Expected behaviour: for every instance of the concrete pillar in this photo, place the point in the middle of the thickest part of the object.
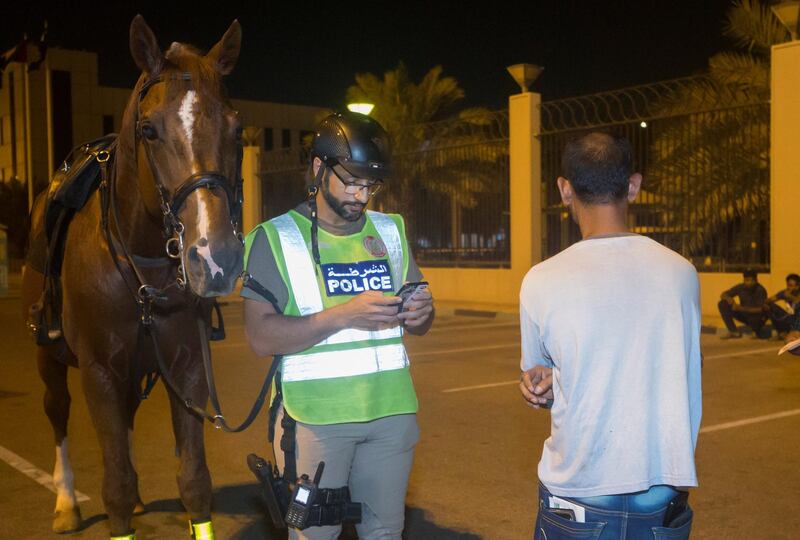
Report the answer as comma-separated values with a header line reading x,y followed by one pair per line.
x,y
785,162
251,210
524,119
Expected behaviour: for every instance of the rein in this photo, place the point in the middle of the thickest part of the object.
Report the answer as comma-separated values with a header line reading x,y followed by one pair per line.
x,y
145,295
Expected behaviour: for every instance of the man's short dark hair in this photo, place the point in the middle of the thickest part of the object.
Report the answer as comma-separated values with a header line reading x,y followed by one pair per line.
x,y
793,277
598,165
750,273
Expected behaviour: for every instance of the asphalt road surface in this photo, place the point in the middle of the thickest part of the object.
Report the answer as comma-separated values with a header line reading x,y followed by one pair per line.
x,y
474,474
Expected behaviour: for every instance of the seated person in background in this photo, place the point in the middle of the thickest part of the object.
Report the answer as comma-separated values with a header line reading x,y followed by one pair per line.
x,y
750,308
781,313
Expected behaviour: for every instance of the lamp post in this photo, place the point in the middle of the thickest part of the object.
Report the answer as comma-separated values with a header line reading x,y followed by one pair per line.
x,y
363,108
525,74
787,14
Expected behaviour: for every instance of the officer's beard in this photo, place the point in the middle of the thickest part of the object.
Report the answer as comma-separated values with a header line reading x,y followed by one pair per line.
x,y
351,211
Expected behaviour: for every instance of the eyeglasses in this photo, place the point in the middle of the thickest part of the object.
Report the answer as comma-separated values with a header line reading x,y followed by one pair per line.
x,y
352,187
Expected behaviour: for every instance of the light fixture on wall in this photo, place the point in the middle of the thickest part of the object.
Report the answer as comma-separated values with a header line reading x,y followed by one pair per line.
x,y
363,108
525,74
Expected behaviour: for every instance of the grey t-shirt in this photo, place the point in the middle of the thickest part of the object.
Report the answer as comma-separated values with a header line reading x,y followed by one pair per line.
x,y
261,264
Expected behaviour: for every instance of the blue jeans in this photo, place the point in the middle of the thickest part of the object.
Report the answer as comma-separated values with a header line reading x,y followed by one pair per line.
x,y
635,516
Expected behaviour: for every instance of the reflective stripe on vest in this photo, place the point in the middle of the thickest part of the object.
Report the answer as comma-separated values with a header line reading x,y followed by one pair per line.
x,y
349,363
387,230
295,252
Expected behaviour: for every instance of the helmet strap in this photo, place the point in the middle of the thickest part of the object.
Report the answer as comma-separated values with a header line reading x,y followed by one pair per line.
x,y
312,205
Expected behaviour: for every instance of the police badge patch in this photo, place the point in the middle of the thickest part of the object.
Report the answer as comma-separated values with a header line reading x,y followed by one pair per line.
x,y
355,278
375,246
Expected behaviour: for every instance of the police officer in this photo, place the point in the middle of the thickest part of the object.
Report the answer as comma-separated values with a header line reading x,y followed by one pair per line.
x,y
332,269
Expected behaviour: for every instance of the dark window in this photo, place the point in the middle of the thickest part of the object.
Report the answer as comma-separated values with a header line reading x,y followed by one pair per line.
x,y
108,124
306,137
269,142
286,138
13,124
62,114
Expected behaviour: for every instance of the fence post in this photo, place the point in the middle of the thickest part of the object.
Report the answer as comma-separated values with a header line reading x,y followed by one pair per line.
x,y
524,119
785,162
251,210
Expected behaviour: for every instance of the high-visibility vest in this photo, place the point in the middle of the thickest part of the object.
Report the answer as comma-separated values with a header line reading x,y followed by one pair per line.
x,y
353,375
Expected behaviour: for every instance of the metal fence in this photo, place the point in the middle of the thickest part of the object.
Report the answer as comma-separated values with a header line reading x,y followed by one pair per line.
x,y
450,182
703,150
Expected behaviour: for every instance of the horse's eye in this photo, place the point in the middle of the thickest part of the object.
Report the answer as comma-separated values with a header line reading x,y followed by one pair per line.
x,y
149,132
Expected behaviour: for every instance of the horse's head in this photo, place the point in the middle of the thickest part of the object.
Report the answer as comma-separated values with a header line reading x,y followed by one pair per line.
x,y
188,152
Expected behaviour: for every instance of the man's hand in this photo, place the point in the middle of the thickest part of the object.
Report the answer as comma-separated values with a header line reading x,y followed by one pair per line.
x,y
536,386
370,310
417,309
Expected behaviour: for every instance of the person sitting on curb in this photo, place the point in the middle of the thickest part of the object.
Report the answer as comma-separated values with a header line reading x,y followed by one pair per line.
x,y
781,315
749,310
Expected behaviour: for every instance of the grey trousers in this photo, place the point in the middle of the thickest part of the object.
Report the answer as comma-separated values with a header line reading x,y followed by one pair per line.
x,y
372,458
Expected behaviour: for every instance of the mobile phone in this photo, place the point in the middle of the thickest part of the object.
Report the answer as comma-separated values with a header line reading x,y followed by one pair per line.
x,y
408,290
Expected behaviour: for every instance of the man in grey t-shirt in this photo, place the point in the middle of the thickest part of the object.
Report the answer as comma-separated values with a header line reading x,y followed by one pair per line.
x,y
611,338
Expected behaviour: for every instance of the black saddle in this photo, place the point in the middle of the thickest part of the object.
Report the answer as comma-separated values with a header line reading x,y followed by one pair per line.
x,y
69,189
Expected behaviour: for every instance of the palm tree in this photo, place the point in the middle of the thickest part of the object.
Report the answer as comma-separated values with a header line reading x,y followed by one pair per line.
x,y
717,179
435,149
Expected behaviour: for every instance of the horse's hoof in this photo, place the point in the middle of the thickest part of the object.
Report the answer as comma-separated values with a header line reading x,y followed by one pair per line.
x,y
67,520
139,509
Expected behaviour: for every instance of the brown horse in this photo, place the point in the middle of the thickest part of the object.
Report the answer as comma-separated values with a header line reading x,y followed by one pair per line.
x,y
173,169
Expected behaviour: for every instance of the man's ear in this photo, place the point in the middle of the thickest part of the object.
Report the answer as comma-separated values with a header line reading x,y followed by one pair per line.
x,y
315,165
634,184
565,188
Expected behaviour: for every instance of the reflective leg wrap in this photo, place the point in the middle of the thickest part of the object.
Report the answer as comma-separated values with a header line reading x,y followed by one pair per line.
x,y
130,536
201,530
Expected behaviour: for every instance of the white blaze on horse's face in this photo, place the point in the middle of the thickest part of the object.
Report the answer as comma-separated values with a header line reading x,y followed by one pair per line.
x,y
202,248
186,113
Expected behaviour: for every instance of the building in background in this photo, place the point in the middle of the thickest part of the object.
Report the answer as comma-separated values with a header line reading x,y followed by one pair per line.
x,y
82,110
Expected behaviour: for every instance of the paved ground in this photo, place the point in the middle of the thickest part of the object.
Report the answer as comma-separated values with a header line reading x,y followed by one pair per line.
x,y
474,474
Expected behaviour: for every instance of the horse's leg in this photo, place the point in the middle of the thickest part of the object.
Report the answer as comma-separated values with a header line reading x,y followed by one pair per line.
x,y
53,372
194,480
107,397
133,406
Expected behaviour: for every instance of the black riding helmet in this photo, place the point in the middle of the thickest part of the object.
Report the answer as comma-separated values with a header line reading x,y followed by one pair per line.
x,y
356,142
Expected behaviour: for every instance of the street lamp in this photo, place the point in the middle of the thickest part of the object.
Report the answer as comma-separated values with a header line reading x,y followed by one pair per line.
x,y
787,14
363,108
525,74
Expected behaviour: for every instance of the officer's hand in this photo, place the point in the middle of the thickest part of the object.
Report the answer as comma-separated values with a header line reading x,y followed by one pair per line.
x,y
417,309
536,386
370,310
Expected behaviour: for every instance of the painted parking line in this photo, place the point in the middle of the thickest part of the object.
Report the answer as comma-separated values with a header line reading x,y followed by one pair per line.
x,y
508,383
414,355
479,386
30,470
748,421
473,326
773,349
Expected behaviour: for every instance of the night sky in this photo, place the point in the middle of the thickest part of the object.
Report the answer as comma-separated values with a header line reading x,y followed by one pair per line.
x,y
292,55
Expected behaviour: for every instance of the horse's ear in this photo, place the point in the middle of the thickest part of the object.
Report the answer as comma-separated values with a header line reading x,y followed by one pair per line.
x,y
144,47
224,54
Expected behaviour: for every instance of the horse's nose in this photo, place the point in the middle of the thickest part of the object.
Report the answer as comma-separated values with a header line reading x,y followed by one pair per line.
x,y
224,263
